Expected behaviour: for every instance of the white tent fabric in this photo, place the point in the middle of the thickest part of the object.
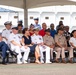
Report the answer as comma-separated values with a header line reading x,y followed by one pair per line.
x,y
35,3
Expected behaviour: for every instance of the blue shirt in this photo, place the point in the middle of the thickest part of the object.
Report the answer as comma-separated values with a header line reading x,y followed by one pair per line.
x,y
52,33
37,26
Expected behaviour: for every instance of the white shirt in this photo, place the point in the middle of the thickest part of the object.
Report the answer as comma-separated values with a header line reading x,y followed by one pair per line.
x,y
14,37
6,33
36,39
72,40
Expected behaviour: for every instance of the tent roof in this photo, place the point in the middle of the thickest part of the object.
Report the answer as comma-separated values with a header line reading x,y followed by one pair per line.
x,y
35,3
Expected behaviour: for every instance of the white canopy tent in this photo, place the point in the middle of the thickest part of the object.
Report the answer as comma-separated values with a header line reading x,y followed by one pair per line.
x,y
26,4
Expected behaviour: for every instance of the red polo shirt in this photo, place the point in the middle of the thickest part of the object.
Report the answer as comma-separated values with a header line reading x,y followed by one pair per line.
x,y
42,32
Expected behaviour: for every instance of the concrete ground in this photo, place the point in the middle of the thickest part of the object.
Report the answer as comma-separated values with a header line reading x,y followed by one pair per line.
x,y
38,69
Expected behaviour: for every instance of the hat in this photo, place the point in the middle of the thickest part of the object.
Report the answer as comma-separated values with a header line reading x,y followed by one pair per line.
x,y
36,29
47,30
8,23
15,28
20,25
20,21
36,18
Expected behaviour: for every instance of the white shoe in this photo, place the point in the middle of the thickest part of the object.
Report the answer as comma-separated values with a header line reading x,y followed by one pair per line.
x,y
19,62
25,62
48,62
42,61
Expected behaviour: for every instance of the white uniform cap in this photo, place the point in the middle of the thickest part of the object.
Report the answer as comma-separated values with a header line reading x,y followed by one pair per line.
x,y
8,22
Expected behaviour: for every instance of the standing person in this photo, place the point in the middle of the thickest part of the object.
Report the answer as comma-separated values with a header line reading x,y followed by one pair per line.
x,y
3,48
26,40
16,46
52,30
37,39
49,41
20,28
6,32
42,31
60,24
20,22
36,25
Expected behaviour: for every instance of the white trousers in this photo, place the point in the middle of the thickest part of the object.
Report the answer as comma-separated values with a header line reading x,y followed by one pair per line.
x,y
47,50
18,50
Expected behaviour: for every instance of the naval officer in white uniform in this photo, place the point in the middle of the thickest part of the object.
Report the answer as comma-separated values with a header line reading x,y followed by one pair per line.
x,y
37,39
7,31
17,47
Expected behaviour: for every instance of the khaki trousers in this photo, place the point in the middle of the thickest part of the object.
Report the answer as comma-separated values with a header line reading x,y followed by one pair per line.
x,y
62,52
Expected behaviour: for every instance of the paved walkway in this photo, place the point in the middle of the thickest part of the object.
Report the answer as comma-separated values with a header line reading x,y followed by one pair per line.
x,y
36,69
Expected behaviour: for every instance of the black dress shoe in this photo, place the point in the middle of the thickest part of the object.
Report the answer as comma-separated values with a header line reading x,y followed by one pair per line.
x,y
4,63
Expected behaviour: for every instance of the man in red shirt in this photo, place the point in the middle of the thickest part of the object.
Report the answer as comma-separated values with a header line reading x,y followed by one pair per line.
x,y
42,32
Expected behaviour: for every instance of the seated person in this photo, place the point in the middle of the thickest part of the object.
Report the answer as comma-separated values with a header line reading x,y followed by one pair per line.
x,y
7,31
42,31
26,40
31,29
61,45
52,30
66,31
37,39
49,41
3,48
72,42
16,46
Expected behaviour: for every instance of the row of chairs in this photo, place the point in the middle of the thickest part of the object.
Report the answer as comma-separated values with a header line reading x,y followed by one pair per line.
x,y
12,58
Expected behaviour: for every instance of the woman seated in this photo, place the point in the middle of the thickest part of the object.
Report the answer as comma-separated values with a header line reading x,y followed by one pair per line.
x,y
31,29
26,40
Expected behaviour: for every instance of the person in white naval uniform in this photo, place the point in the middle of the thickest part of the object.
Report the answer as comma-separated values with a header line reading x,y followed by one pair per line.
x,y
17,47
6,32
37,39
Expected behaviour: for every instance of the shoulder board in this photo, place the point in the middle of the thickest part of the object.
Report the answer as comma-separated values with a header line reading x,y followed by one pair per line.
x,y
4,29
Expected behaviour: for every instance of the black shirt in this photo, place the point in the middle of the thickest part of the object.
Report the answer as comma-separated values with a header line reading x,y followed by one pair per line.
x,y
27,41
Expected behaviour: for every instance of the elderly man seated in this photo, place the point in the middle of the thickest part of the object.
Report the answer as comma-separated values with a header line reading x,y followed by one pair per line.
x,y
49,41
16,46
3,48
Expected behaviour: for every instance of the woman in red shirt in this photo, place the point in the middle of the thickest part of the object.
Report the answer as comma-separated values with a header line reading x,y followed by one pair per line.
x,y
31,29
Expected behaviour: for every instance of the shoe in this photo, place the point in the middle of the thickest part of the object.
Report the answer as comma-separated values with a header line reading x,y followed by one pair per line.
x,y
71,61
38,62
4,63
48,62
25,62
19,63
63,61
57,61
42,61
